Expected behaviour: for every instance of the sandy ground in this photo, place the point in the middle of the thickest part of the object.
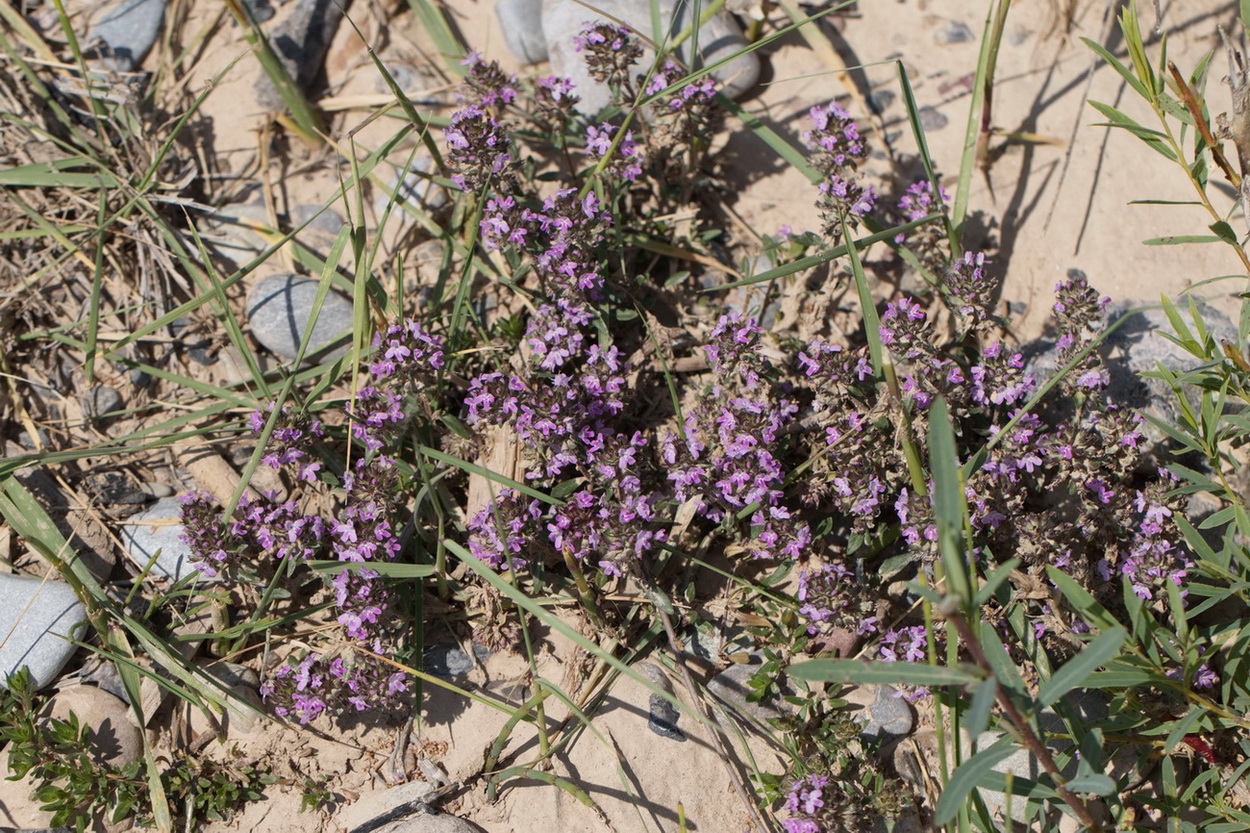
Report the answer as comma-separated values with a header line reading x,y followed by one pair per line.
x,y
1057,202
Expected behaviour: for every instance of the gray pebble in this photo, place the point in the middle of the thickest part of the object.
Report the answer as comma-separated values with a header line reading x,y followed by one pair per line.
x,y
140,378
954,31
520,21
279,308
156,531
889,714
128,29
37,619
732,686
301,41
662,718
880,100
719,38
447,661
260,10
413,186
932,118
100,400
157,490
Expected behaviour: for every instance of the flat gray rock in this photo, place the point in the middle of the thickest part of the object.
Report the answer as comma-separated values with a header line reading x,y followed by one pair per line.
x,y
719,38
36,619
521,24
301,40
732,686
889,714
155,532
279,309
128,29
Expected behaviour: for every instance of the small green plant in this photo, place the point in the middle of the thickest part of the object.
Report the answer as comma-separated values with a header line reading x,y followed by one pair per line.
x,y
77,788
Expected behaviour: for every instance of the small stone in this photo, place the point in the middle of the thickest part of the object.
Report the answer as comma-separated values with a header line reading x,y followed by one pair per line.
x,y
279,308
140,378
521,24
260,10
155,532
733,685
889,714
101,400
324,225
128,29
719,38
954,31
662,718
414,187
447,661
301,41
403,803
38,619
880,100
932,119
112,739
241,683
157,490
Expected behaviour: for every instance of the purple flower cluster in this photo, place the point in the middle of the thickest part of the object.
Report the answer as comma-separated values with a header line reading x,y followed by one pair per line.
x,y
691,96
625,163
971,291
363,529
833,139
488,84
478,147
610,52
831,597
334,682
563,238
805,799
726,457
837,149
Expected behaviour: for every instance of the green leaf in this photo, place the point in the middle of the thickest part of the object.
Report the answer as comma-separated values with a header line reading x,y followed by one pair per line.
x,y
966,778
982,703
1179,240
861,671
1225,232
949,502
1082,602
1075,670
384,568
1093,783
1124,71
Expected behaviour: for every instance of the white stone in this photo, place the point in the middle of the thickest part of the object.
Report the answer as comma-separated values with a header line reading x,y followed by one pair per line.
x,y
37,618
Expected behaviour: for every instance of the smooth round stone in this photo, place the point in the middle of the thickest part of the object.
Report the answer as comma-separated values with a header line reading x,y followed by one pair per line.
x,y
279,309
155,532
100,400
719,38
37,618
520,21
128,29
